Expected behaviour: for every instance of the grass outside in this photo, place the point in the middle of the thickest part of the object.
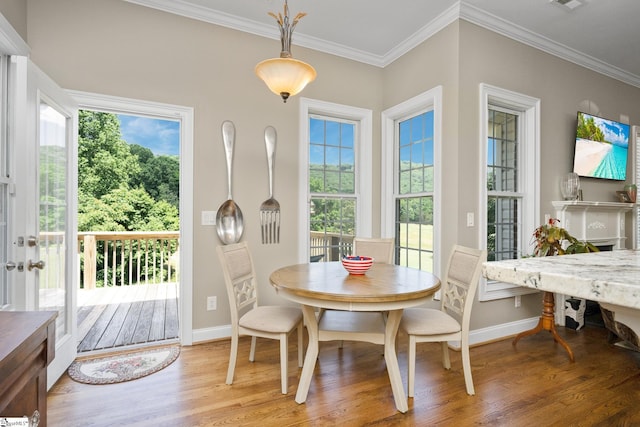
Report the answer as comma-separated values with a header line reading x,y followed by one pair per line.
x,y
413,237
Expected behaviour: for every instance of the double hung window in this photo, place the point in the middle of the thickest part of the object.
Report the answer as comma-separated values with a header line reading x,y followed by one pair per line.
x,y
414,200
509,138
504,195
411,134
335,179
333,200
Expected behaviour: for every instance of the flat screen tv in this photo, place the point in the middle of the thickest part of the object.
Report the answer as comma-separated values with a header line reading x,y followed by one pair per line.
x,y
601,149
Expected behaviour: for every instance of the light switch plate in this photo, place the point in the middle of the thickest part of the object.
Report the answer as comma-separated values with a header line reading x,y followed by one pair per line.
x,y
470,219
208,218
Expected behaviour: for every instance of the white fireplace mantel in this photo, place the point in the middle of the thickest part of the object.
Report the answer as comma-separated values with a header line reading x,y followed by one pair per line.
x,y
600,223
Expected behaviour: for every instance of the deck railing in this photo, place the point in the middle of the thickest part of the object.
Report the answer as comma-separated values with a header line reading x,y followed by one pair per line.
x,y
128,257
326,247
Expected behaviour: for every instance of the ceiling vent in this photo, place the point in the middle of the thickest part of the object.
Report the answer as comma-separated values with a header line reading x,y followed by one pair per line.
x,y
567,4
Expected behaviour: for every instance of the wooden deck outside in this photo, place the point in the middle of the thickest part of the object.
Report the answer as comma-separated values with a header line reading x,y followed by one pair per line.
x,y
127,315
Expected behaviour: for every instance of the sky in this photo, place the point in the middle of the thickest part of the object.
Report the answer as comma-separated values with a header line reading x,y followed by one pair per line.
x,y
614,132
160,136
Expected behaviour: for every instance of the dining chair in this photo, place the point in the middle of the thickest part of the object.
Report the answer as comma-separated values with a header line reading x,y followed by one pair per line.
x,y
381,250
346,325
250,319
451,321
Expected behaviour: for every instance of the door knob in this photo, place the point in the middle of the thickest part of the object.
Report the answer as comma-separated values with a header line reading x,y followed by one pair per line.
x,y
39,265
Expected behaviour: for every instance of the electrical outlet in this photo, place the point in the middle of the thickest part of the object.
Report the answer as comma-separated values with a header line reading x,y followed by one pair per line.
x,y
518,300
212,303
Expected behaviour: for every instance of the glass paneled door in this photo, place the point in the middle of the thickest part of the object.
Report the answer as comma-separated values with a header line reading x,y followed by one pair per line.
x,y
51,215
7,260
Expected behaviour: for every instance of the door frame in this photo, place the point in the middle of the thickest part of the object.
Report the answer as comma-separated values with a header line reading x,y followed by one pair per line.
x,y
107,103
12,45
23,131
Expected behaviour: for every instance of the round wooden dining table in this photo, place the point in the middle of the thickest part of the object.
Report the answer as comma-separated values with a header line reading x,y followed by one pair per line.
x,y
327,285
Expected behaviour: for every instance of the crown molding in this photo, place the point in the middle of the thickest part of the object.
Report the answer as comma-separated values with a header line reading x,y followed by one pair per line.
x,y
200,13
460,10
498,25
11,43
189,10
439,23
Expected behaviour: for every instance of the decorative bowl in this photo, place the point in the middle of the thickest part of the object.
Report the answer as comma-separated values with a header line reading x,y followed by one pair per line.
x,y
357,264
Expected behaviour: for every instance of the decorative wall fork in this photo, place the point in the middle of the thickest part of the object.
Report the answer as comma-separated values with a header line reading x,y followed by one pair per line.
x,y
270,208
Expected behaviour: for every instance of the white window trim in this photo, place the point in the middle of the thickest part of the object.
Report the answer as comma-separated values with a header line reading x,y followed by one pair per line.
x,y
635,179
389,178
93,101
364,156
529,174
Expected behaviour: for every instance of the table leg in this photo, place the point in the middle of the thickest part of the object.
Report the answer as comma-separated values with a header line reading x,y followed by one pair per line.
x,y
547,323
391,359
312,353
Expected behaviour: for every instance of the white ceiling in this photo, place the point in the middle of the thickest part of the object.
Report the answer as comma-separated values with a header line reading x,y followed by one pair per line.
x,y
603,35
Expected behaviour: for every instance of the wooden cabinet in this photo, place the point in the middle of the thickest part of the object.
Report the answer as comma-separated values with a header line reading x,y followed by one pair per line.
x,y
27,346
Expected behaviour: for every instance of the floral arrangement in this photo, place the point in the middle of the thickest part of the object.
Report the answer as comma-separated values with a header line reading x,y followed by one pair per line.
x,y
550,238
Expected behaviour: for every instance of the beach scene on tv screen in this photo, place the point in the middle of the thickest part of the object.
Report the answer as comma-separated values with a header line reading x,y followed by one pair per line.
x,y
601,148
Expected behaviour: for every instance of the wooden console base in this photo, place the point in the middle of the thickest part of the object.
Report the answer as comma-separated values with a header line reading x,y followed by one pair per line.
x,y
547,323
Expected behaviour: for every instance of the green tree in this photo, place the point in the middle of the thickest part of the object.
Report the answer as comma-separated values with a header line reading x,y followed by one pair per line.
x,y
587,129
95,215
159,175
123,187
53,169
105,161
135,210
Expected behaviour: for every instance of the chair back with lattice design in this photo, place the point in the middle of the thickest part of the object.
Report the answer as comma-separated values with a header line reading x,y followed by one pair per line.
x,y
381,250
239,277
461,281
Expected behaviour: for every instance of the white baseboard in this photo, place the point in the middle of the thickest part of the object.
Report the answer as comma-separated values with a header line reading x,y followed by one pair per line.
x,y
492,333
497,332
477,336
210,334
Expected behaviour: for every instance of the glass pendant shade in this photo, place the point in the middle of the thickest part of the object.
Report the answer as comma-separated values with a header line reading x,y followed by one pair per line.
x,y
285,76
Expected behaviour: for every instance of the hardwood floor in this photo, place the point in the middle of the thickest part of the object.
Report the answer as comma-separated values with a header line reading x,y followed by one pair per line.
x,y
533,384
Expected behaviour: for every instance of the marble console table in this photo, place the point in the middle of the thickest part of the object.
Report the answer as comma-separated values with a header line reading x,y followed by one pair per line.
x,y
611,278
600,223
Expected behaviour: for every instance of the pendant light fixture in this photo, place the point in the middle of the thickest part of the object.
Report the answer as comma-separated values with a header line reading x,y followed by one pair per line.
x,y
285,76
